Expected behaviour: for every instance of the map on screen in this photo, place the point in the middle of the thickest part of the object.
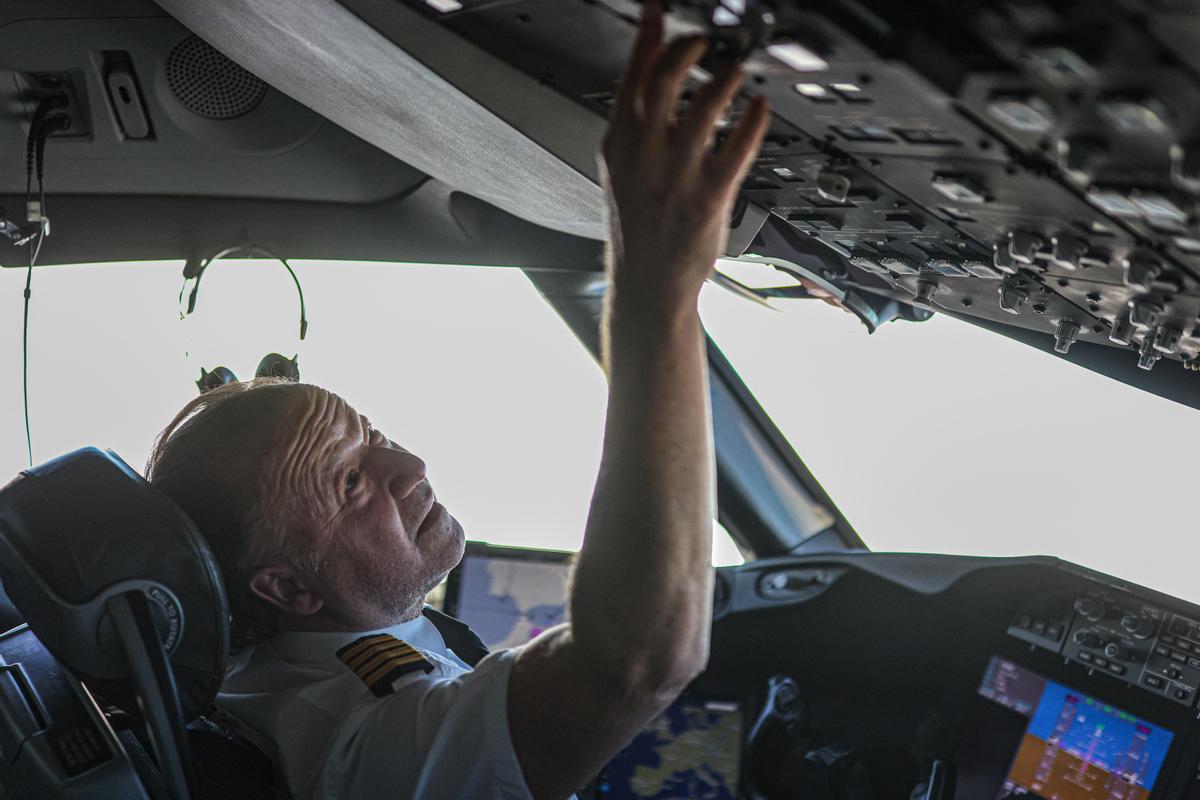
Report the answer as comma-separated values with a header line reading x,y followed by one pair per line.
x,y
692,750
508,601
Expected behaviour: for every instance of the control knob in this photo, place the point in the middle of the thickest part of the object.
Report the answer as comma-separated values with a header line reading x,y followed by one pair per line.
x,y
1086,639
1090,608
1138,627
1113,650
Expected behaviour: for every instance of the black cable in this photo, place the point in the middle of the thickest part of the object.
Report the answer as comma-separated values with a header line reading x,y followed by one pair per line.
x,y
299,291
25,356
40,128
45,106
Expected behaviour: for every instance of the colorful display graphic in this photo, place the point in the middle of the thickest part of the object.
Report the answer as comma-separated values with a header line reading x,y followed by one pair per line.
x,y
1075,747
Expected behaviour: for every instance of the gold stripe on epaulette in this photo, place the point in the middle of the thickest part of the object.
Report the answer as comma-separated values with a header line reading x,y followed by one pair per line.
x,y
379,659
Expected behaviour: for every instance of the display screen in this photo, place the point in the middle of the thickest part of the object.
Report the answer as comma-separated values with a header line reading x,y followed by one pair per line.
x,y
508,596
1074,747
693,750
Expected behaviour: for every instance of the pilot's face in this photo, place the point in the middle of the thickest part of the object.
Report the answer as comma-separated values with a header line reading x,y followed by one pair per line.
x,y
363,509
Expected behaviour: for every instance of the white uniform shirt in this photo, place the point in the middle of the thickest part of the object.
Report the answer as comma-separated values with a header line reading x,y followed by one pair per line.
x,y
442,734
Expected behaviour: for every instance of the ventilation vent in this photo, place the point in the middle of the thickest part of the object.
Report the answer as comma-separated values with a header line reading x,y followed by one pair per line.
x,y
209,84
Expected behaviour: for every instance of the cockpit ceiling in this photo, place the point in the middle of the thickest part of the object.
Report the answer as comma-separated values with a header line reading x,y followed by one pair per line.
x,y
193,137
358,75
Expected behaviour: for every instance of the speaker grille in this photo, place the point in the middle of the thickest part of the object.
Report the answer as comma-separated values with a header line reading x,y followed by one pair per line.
x,y
209,84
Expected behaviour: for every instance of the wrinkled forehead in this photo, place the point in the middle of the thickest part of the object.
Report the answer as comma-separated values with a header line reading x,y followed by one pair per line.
x,y
315,430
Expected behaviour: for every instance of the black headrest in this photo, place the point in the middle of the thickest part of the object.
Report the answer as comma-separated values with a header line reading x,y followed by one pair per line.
x,y
84,527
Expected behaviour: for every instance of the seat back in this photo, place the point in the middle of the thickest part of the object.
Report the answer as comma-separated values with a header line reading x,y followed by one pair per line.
x,y
122,591
84,528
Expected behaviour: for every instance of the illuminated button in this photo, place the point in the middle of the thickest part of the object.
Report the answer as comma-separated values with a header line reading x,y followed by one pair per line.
x,y
1167,639
1165,652
1039,627
1180,657
1194,663
1100,662
1025,621
1085,656
1116,669
1184,646
1053,631
1154,682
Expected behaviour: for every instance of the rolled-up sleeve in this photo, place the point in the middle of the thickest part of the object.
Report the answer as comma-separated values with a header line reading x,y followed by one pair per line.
x,y
433,737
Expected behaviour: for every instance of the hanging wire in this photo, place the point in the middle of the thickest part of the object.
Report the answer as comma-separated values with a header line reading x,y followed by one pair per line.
x,y
41,126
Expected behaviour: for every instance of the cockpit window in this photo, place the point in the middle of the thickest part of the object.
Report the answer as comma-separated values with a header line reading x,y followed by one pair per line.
x,y
466,366
942,437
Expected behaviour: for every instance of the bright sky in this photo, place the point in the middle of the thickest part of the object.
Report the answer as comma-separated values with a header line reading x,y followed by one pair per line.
x,y
932,437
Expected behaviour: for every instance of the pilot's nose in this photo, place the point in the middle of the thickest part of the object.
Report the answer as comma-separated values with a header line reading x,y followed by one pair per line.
x,y
405,471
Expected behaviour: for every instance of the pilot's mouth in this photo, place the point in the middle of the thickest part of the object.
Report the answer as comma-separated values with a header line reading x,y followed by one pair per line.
x,y
432,518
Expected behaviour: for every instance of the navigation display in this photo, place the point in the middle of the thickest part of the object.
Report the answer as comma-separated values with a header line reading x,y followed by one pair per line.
x,y
693,750
1075,747
508,595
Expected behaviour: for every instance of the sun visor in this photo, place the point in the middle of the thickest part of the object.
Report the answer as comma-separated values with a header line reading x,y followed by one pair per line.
x,y
327,58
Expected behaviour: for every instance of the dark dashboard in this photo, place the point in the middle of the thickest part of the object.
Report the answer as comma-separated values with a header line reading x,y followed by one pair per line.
x,y
862,675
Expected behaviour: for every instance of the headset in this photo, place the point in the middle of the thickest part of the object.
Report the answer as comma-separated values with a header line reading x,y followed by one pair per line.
x,y
272,364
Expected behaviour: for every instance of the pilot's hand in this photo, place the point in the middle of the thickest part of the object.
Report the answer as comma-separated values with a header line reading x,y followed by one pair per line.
x,y
669,194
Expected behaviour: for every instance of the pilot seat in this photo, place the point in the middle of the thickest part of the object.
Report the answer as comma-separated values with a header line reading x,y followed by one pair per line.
x,y
117,636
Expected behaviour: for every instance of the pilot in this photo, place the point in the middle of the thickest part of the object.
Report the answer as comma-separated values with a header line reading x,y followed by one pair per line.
x,y
329,535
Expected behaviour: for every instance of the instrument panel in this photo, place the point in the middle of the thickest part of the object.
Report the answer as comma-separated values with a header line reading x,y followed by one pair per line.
x,y
955,677
1030,163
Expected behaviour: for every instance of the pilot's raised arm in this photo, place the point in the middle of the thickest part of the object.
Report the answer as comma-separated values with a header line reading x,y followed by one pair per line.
x,y
641,602
329,535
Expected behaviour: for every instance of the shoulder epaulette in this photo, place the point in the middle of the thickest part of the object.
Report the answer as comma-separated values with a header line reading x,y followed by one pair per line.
x,y
379,659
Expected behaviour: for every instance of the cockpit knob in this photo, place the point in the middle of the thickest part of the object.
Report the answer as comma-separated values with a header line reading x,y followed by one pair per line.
x,y
1112,650
1091,609
1138,627
1086,639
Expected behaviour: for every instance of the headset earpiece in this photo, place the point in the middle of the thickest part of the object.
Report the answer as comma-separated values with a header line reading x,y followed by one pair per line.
x,y
218,377
274,365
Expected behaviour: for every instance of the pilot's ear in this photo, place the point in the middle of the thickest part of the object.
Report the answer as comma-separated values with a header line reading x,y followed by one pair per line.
x,y
281,588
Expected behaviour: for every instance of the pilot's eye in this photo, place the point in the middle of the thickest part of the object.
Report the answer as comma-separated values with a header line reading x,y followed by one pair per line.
x,y
352,479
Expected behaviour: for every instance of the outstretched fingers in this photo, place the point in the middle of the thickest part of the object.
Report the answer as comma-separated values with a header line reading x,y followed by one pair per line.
x,y
741,146
696,128
665,82
645,48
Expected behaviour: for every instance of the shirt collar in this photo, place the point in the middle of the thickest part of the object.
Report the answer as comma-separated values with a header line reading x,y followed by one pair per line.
x,y
320,649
